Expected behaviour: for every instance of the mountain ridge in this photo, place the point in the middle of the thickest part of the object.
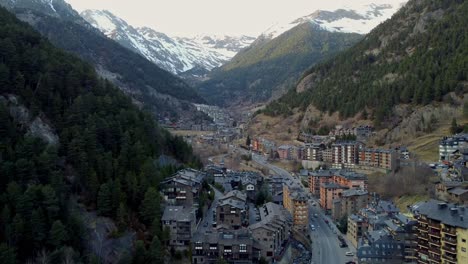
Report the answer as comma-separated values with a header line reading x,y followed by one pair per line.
x,y
149,86
175,54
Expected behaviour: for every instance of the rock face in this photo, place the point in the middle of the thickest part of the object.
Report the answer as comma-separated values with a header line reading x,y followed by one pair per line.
x,y
36,126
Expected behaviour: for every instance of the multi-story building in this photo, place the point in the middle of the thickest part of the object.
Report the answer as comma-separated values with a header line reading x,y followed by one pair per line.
x,y
328,193
285,152
181,223
317,178
345,154
231,211
313,152
295,201
350,202
442,232
357,226
236,247
351,179
183,188
378,158
273,231
449,145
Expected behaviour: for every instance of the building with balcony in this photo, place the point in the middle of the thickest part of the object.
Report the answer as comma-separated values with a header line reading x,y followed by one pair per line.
x,y
273,231
236,247
442,232
231,210
449,145
181,223
183,188
296,202
349,202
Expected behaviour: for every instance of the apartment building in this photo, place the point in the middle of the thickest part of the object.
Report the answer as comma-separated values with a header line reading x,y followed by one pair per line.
x,y
328,193
236,247
273,230
295,201
442,232
378,158
180,221
350,202
351,179
449,145
345,154
357,226
183,188
317,178
286,152
231,211
313,152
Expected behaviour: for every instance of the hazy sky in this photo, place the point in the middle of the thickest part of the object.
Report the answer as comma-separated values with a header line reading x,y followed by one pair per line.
x,y
230,17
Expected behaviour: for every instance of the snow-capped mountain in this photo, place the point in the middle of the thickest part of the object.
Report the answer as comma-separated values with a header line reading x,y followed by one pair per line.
x,y
175,54
355,17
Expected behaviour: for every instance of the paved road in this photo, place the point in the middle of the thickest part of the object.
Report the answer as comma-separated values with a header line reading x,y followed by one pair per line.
x,y
207,223
291,181
325,246
325,243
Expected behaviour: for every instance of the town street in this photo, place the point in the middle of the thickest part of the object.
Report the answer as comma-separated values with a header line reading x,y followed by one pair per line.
x,y
325,244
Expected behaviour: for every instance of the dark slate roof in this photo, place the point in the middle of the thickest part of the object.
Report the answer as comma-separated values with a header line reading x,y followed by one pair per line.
x,y
446,213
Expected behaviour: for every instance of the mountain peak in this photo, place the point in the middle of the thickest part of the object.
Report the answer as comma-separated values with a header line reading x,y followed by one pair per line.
x,y
175,54
359,18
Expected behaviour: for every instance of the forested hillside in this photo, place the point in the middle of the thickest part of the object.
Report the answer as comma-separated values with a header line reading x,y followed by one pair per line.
x,y
102,151
155,88
269,67
416,57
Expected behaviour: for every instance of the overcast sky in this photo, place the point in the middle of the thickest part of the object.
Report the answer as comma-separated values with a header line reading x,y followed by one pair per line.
x,y
229,17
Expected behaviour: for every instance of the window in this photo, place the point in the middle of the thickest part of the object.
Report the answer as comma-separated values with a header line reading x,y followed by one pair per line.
x,y
243,248
464,240
463,249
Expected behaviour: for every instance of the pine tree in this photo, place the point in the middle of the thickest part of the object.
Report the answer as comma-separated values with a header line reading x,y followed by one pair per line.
x,y
150,207
155,252
104,200
140,253
7,254
39,224
58,234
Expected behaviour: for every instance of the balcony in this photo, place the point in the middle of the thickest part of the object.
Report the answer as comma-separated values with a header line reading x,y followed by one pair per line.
x,y
434,242
451,259
422,220
449,240
450,231
435,258
434,234
424,236
434,250
450,249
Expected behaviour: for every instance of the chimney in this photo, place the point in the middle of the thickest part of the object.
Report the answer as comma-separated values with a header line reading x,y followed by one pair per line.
x,y
442,205
453,210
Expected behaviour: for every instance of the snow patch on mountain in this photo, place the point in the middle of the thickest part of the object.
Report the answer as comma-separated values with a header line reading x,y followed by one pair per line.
x,y
354,17
175,54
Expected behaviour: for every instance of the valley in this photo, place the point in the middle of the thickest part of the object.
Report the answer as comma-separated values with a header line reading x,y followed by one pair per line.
x,y
233,133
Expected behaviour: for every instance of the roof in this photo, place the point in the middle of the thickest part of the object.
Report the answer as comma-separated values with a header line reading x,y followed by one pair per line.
x,y
352,175
233,203
332,185
178,213
323,173
447,213
458,191
235,194
353,192
231,237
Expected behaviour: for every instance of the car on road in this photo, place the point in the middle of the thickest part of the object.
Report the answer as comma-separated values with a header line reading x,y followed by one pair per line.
x,y
312,227
316,215
349,254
